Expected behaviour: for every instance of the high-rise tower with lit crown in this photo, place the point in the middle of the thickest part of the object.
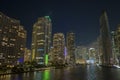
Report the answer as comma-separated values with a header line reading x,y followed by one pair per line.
x,y
41,40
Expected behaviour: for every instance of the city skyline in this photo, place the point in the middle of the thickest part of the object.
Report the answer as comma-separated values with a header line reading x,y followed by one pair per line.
x,y
81,17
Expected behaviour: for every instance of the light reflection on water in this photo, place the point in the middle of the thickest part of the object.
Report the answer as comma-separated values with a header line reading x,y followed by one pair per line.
x,y
89,72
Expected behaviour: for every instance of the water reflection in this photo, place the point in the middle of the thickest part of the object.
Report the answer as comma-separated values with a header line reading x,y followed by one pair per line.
x,y
5,77
90,72
28,76
17,77
110,74
46,75
41,75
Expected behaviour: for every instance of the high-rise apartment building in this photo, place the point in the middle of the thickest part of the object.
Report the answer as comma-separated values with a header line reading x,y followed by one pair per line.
x,y
116,40
114,47
107,57
58,48
12,41
70,40
41,40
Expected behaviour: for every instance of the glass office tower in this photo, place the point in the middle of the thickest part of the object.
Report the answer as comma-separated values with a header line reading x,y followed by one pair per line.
x,y
41,40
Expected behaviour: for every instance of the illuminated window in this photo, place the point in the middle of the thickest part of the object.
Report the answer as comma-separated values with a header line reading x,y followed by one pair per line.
x,y
3,43
13,39
21,48
5,38
38,33
41,63
15,27
39,57
12,44
32,43
40,49
40,43
42,40
21,34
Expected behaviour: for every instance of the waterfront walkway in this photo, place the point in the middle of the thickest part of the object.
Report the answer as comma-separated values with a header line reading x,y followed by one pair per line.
x,y
36,69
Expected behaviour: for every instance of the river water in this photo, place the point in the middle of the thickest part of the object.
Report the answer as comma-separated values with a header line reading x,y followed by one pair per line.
x,y
89,72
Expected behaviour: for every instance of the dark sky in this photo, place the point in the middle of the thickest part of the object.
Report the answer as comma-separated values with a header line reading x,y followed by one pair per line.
x,y
79,16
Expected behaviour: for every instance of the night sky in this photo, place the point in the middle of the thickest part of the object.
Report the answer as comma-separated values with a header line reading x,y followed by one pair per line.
x,y
79,16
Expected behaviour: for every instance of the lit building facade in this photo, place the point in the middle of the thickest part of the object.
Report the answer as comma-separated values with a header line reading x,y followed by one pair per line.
x,y
27,55
116,42
81,54
107,57
12,41
51,55
41,40
58,48
92,55
70,40
115,49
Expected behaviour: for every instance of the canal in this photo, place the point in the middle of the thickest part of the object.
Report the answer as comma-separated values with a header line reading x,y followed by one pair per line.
x,y
89,72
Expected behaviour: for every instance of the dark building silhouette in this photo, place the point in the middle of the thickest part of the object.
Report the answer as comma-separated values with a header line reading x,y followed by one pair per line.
x,y
107,58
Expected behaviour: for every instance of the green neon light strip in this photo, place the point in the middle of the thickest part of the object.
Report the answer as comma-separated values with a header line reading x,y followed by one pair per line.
x,y
46,59
48,18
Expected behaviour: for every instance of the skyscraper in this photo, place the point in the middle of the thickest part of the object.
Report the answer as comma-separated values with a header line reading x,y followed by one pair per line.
x,y
117,43
41,40
107,59
71,47
58,48
12,41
